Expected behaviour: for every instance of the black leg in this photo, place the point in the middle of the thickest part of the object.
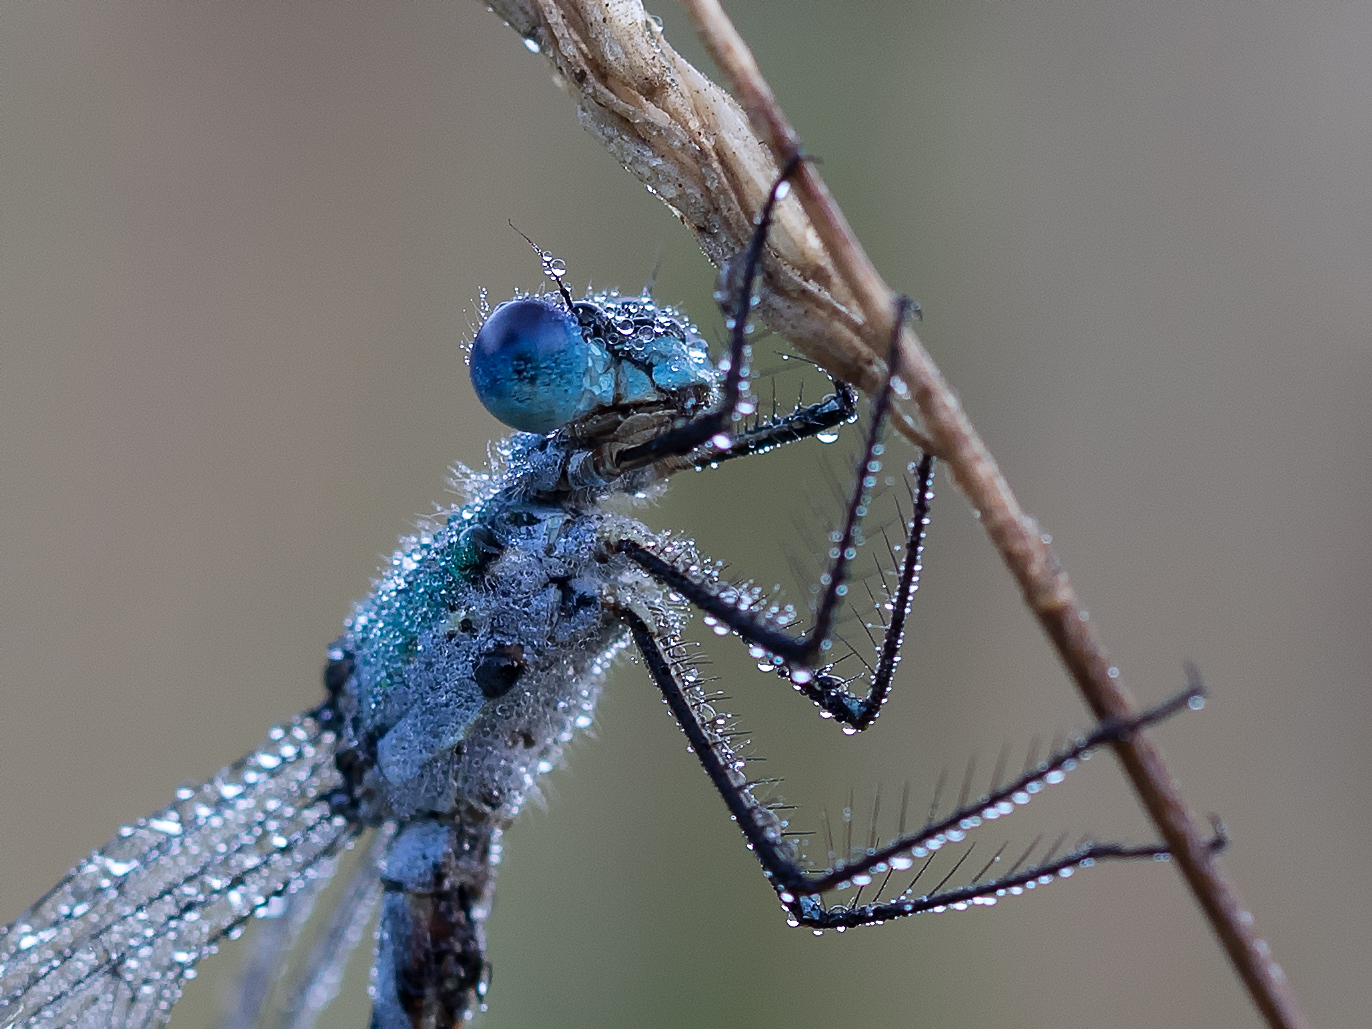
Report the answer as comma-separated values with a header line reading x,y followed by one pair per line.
x,y
714,437
801,890
797,657
810,420
717,427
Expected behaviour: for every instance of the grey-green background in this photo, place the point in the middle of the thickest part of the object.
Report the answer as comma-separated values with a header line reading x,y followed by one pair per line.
x,y
238,249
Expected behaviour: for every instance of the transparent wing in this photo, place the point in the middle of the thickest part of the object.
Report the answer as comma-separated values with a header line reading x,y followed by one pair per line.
x,y
275,989
307,995
113,942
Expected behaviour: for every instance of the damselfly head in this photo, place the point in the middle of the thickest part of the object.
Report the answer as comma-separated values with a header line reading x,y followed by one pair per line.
x,y
539,366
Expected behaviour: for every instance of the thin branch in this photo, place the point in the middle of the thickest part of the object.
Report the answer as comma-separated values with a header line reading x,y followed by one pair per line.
x,y
712,164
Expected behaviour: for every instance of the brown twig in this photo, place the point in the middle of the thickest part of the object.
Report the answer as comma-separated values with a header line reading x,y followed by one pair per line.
x,y
693,146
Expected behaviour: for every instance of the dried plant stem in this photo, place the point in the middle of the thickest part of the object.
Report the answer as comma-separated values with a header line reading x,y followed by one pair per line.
x,y
712,163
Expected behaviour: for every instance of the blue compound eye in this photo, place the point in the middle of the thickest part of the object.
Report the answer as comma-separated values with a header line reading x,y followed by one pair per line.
x,y
531,366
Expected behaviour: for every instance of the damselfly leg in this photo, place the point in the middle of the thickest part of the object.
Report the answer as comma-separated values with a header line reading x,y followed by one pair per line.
x,y
805,660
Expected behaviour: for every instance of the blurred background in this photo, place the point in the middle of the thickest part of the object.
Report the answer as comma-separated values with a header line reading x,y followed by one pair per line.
x,y
239,246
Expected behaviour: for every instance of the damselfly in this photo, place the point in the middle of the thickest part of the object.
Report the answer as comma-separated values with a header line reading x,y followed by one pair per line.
x,y
481,651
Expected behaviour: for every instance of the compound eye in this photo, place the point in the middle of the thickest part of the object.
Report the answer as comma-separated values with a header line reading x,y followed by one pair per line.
x,y
529,365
